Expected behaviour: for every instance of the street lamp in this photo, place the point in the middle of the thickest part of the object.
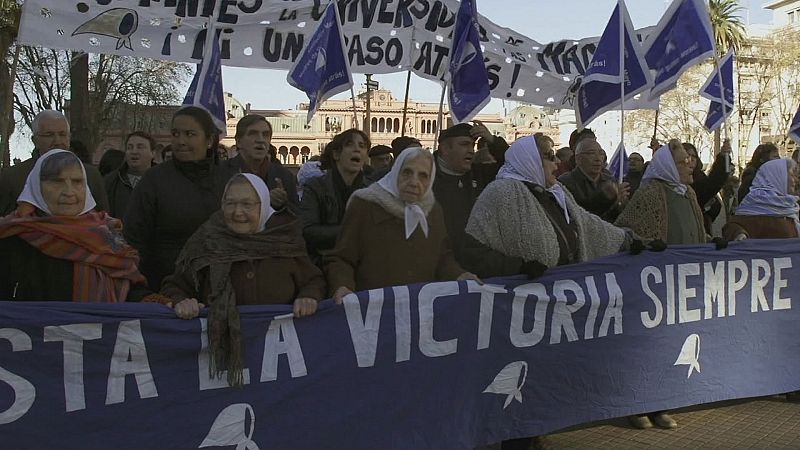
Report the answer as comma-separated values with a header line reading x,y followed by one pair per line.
x,y
371,86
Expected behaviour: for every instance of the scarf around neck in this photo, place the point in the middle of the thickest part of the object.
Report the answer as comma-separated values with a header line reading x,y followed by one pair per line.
x,y
104,266
215,247
413,214
524,163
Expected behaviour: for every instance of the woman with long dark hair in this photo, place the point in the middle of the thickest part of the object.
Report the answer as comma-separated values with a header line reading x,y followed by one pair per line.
x,y
174,198
325,198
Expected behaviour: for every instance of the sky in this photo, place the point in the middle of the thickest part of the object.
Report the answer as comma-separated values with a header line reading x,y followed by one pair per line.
x,y
541,20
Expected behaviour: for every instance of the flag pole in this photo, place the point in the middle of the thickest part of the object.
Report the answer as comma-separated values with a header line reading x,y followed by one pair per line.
x,y
621,5
355,109
405,104
440,117
655,125
724,109
207,50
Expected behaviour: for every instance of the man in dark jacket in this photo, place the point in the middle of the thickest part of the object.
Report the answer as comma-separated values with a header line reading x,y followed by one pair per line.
x,y
139,154
457,185
594,190
50,131
253,138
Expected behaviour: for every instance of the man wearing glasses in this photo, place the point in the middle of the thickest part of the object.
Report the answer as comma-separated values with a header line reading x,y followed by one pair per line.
x,y
593,188
50,131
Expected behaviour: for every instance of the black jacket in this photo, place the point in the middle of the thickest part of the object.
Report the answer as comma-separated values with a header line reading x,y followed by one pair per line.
x,y
119,190
274,170
322,211
30,275
456,194
590,196
167,206
707,187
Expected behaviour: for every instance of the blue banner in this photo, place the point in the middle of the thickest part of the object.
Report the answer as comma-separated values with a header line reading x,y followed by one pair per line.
x,y
450,365
206,91
322,70
600,90
469,81
794,127
683,37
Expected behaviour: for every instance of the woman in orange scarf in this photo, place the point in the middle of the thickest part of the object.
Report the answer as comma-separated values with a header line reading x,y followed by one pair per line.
x,y
55,247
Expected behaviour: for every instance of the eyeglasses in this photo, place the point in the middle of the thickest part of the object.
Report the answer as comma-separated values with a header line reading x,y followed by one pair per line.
x,y
246,206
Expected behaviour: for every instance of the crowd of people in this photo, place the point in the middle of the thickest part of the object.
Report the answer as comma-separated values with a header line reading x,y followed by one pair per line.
x,y
201,230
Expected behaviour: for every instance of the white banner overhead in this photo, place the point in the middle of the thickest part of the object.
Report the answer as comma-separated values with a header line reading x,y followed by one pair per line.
x,y
382,36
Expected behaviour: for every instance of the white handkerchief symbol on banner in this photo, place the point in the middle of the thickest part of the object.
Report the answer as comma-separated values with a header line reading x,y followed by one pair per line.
x,y
690,354
509,382
230,428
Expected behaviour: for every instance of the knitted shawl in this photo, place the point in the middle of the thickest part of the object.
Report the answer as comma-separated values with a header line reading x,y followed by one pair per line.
x,y
509,219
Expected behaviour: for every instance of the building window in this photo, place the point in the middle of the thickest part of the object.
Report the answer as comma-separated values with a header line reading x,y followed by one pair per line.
x,y
381,125
374,124
396,125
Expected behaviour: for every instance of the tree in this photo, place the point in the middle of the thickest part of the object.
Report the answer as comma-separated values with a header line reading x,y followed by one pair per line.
x,y
729,32
120,88
9,24
681,114
726,20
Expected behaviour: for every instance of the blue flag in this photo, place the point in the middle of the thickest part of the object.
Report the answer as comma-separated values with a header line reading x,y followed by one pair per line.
x,y
712,90
794,128
206,88
619,164
469,83
682,38
322,69
716,116
600,90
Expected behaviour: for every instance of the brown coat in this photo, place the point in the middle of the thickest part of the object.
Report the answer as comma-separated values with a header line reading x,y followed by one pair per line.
x,y
267,281
372,252
760,227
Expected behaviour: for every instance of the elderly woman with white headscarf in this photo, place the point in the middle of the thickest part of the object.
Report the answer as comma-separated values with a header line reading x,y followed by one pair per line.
x,y
525,221
245,254
55,247
665,207
393,232
770,209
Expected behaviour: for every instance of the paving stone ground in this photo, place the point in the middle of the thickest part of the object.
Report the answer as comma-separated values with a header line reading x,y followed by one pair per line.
x,y
762,423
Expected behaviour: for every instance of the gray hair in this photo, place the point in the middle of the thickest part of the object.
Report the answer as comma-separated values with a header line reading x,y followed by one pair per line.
x,y
53,166
584,142
47,114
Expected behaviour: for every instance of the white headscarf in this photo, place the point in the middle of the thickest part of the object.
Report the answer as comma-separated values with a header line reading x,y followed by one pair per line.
x,y
524,163
32,193
414,215
662,167
263,195
769,194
